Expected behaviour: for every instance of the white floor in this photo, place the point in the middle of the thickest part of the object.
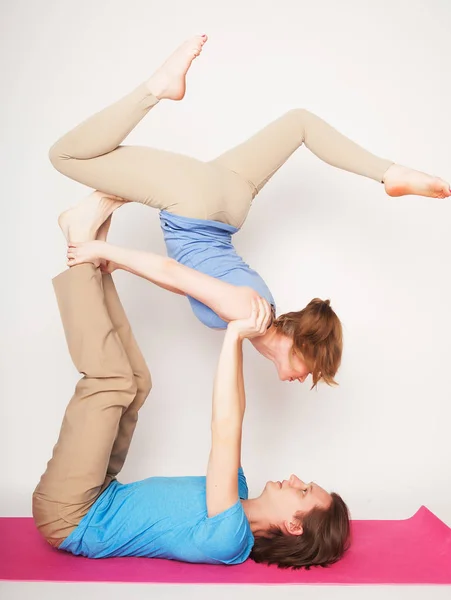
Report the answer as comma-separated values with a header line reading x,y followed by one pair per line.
x,y
88,591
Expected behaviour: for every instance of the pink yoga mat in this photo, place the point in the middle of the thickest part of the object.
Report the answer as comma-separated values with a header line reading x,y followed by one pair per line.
x,y
411,551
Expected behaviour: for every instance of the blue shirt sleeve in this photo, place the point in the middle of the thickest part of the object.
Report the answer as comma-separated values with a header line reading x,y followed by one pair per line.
x,y
243,492
225,538
206,315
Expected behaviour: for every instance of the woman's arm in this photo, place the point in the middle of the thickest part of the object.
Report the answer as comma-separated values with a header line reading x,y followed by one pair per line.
x,y
229,301
228,408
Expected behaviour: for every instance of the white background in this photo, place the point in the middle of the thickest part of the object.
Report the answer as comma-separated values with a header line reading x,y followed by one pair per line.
x,y
377,71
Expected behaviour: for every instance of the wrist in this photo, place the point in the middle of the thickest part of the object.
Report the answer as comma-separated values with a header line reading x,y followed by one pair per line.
x,y
233,334
103,250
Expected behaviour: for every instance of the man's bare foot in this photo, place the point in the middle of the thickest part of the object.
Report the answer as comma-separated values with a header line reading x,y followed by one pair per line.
x,y
81,223
401,181
169,81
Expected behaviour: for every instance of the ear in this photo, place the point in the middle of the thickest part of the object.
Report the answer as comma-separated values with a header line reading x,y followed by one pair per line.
x,y
294,527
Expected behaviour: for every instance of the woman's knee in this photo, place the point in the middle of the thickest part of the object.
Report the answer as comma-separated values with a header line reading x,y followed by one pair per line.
x,y
59,159
298,115
55,155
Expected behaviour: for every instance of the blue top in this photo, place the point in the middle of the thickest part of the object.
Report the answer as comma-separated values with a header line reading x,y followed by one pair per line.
x,y
163,517
207,247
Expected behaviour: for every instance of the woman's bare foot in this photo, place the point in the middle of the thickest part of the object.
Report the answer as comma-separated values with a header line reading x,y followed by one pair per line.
x,y
169,81
106,266
81,223
103,230
401,181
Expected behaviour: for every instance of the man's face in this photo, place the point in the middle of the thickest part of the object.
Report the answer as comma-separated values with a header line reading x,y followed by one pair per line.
x,y
283,499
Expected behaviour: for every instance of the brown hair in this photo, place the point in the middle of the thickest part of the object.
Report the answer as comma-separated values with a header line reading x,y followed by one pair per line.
x,y
317,336
324,539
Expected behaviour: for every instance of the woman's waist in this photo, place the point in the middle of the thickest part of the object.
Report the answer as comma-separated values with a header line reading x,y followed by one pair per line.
x,y
178,225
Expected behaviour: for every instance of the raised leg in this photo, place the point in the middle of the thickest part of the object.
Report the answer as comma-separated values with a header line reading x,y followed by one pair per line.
x,y
257,159
141,375
92,155
77,472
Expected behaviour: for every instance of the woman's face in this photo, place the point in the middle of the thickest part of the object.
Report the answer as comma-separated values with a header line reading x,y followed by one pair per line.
x,y
290,366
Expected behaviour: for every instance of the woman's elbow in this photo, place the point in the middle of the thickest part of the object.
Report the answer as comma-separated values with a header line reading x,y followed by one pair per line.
x,y
170,272
246,297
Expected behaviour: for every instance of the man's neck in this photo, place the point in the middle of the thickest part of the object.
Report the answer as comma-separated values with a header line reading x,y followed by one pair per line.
x,y
253,510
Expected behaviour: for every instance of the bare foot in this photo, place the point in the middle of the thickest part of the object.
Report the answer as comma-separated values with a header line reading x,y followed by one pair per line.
x,y
401,181
103,230
169,81
106,266
81,223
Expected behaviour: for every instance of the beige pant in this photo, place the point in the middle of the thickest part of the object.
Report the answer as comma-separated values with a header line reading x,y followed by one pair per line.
x,y
221,189
100,419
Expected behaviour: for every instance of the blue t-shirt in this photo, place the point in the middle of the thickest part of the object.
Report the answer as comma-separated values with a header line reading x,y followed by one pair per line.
x,y
163,517
207,247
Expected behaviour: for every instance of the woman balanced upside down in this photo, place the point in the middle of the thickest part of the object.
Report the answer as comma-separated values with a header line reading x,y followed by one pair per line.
x,y
202,204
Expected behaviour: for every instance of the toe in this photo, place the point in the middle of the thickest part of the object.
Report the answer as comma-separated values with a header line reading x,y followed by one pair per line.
x,y
442,187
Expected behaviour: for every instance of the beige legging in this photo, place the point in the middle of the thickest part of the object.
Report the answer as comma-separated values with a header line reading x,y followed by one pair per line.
x,y
221,189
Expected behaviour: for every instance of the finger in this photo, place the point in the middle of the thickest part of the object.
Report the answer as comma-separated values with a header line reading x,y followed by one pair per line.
x,y
255,313
254,309
268,307
266,316
261,314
